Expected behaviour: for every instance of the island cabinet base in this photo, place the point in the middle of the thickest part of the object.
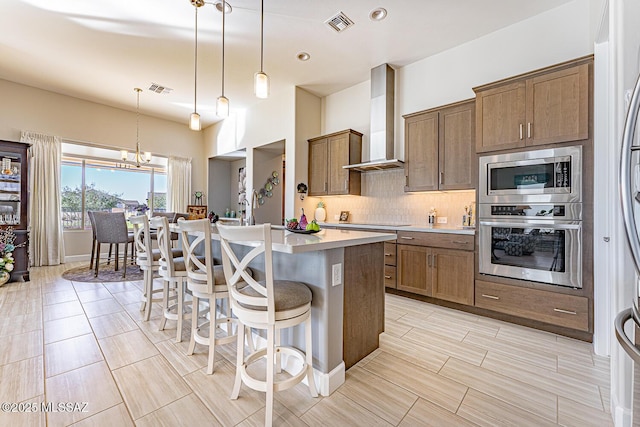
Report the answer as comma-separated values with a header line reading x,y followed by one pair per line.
x,y
347,308
363,301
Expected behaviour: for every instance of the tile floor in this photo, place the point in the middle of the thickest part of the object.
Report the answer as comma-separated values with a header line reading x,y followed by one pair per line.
x,y
84,342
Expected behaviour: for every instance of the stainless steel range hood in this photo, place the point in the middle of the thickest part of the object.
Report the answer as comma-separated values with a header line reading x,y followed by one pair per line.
x,y
381,146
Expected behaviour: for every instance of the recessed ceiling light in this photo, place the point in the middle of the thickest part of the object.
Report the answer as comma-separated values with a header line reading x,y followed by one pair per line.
x,y
303,56
378,14
226,5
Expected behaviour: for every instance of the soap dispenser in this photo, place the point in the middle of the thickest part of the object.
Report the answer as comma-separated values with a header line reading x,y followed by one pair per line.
x,y
432,217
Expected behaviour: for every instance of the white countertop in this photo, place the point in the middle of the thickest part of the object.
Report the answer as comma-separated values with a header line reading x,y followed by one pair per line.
x,y
293,243
403,227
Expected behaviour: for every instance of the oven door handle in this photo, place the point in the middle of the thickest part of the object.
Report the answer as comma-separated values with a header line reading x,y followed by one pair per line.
x,y
531,224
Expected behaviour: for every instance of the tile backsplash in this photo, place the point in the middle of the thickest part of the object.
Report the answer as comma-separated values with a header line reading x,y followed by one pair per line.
x,y
383,201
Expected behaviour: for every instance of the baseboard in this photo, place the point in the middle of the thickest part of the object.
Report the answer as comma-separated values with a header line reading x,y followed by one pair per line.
x,y
76,258
622,417
326,383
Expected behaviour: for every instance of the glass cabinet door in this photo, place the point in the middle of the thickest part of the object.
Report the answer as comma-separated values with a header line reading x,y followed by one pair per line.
x,y
10,177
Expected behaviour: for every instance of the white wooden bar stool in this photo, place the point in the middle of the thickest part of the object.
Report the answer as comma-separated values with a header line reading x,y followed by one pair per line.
x,y
269,304
148,259
174,275
206,282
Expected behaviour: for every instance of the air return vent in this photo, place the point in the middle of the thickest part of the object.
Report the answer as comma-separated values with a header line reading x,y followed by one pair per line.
x,y
155,87
340,22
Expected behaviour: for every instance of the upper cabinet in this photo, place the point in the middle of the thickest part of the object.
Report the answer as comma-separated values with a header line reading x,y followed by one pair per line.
x,y
439,148
544,107
327,156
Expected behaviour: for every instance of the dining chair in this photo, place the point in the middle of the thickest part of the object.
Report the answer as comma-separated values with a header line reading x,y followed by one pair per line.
x,y
174,274
268,304
94,240
206,282
111,227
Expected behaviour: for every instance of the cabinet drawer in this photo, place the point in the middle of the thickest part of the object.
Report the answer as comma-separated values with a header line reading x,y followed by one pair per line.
x,y
390,276
437,240
548,307
389,253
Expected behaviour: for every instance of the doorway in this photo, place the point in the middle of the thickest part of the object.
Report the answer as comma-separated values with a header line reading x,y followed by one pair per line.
x,y
227,184
269,182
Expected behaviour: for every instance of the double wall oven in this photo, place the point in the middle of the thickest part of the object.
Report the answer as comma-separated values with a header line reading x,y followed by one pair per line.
x,y
530,216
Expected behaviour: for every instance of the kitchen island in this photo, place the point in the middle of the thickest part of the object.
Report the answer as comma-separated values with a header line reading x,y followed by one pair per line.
x,y
345,272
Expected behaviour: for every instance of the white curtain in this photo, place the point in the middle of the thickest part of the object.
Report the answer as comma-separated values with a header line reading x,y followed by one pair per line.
x,y
178,184
46,244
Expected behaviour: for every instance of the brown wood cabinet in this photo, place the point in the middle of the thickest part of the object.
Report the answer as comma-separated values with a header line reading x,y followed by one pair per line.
x,y
363,320
390,264
327,156
543,107
569,311
439,148
14,205
438,265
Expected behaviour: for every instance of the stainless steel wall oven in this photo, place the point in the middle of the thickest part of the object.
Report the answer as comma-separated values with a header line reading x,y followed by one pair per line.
x,y
530,216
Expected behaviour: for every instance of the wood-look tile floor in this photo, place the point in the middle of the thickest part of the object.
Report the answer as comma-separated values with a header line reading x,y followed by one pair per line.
x,y
82,342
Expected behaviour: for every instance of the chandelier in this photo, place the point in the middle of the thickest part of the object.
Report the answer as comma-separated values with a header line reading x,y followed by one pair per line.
x,y
139,158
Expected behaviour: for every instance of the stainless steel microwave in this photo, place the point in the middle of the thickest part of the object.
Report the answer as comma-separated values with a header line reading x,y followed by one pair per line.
x,y
536,176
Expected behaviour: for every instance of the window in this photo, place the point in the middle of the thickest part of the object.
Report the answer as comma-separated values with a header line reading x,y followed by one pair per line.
x,y
94,184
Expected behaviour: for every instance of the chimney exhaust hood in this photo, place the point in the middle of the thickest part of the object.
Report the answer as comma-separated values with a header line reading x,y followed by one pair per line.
x,y
381,146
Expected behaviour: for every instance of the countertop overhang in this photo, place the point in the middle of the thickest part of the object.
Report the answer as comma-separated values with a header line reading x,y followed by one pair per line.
x,y
402,227
292,243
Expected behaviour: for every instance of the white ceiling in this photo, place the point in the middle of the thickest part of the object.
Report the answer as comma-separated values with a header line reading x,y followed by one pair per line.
x,y
99,50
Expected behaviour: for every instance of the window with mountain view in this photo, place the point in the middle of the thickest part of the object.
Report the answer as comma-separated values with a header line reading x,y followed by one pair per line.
x,y
103,185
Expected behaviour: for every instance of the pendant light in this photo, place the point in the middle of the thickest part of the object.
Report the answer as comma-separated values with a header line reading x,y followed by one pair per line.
x,y
261,80
194,120
222,104
139,158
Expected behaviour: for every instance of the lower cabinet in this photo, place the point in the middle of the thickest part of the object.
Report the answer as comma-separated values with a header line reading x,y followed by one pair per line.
x,y
569,311
390,265
437,265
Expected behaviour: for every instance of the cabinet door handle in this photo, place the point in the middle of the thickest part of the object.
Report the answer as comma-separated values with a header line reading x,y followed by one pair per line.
x,y
559,310
490,296
441,178
460,242
387,277
325,186
529,130
521,131
386,254
406,238
429,260
435,261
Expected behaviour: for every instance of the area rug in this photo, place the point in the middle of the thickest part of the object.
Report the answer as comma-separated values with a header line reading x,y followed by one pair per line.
x,y
106,273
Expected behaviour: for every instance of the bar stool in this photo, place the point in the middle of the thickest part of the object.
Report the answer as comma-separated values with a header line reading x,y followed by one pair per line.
x,y
148,260
174,275
206,282
269,304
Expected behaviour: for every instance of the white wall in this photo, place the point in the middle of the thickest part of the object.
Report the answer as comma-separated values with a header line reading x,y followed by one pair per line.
x,y
558,35
269,120
28,108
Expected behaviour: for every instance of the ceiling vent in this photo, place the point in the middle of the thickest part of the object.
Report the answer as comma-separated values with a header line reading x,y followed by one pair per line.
x,y
340,22
155,87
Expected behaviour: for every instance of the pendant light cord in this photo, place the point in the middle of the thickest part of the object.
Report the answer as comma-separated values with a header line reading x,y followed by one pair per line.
x,y
224,12
195,68
261,33
138,127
